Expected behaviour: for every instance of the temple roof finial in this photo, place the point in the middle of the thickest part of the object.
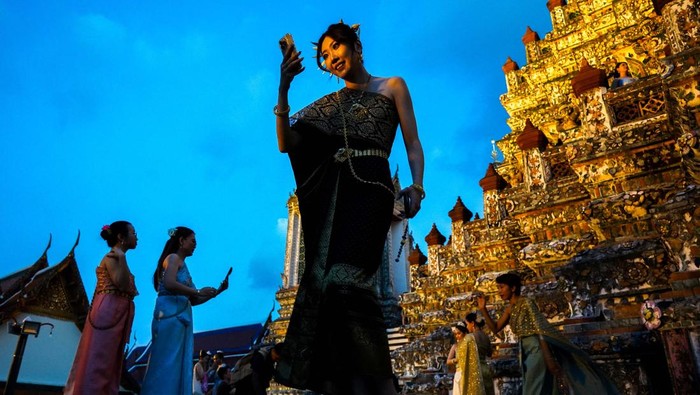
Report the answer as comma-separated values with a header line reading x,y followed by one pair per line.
x,y
509,66
588,78
460,212
435,237
530,36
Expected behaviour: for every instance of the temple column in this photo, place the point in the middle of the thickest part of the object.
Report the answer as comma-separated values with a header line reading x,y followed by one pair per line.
x,y
491,184
293,256
681,20
435,241
537,171
590,84
459,215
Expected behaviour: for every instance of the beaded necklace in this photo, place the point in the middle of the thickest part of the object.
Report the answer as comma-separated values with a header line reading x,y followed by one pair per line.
x,y
357,107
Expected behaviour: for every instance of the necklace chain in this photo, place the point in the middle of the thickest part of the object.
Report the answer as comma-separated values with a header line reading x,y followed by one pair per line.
x,y
356,103
347,146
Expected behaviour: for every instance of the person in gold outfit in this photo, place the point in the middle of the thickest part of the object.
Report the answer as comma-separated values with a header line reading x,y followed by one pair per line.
x,y
476,372
550,363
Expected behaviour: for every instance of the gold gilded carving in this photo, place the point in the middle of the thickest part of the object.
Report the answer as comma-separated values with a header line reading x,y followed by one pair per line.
x,y
682,21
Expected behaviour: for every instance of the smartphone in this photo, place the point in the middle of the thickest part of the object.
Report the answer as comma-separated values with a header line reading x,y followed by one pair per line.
x,y
286,42
406,205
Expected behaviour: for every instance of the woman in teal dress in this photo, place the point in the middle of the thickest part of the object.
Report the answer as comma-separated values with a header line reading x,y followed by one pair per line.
x,y
550,363
169,368
338,146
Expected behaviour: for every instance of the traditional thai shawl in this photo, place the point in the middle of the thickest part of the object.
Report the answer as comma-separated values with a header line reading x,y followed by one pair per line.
x,y
471,360
582,376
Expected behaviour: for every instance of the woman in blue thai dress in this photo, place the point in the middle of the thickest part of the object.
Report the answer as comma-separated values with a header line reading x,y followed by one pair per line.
x,y
338,146
169,368
550,363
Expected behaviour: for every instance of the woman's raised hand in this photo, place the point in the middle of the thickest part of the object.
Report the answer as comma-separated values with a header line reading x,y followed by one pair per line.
x,y
224,284
290,67
208,292
481,302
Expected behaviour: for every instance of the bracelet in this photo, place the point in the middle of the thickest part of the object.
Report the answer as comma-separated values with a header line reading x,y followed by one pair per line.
x,y
420,189
276,111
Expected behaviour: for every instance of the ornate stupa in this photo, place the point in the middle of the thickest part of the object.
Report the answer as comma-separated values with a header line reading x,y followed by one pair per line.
x,y
595,204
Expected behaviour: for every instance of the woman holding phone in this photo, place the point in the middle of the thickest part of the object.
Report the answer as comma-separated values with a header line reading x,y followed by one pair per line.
x,y
169,368
338,147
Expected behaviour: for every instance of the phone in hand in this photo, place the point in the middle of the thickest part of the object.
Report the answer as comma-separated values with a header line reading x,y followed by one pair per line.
x,y
287,41
406,205
224,284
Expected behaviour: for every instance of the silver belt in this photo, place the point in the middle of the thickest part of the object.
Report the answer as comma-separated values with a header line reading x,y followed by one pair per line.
x,y
346,153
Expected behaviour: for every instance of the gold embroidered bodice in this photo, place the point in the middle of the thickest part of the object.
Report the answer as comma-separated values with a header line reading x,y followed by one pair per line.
x,y
104,283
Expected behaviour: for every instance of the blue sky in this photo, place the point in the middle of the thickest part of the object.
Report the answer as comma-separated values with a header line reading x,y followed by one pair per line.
x,y
160,113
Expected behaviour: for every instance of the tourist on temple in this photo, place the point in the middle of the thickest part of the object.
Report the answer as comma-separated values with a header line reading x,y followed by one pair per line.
x,y
338,147
169,368
98,361
621,75
550,363
200,379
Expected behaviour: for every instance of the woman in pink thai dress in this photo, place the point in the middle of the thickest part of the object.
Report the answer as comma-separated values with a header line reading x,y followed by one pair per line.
x,y
98,361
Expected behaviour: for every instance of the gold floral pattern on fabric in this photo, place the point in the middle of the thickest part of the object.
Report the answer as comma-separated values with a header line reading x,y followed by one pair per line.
x,y
526,320
375,122
476,375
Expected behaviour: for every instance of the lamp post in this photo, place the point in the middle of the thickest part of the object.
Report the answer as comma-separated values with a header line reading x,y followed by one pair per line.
x,y
23,330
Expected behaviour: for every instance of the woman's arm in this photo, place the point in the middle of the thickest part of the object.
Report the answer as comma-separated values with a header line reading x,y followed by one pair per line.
x,y
414,149
287,139
198,371
205,294
451,356
493,325
172,265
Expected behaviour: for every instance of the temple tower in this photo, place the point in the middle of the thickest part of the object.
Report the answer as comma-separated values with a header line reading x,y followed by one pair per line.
x,y
596,203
